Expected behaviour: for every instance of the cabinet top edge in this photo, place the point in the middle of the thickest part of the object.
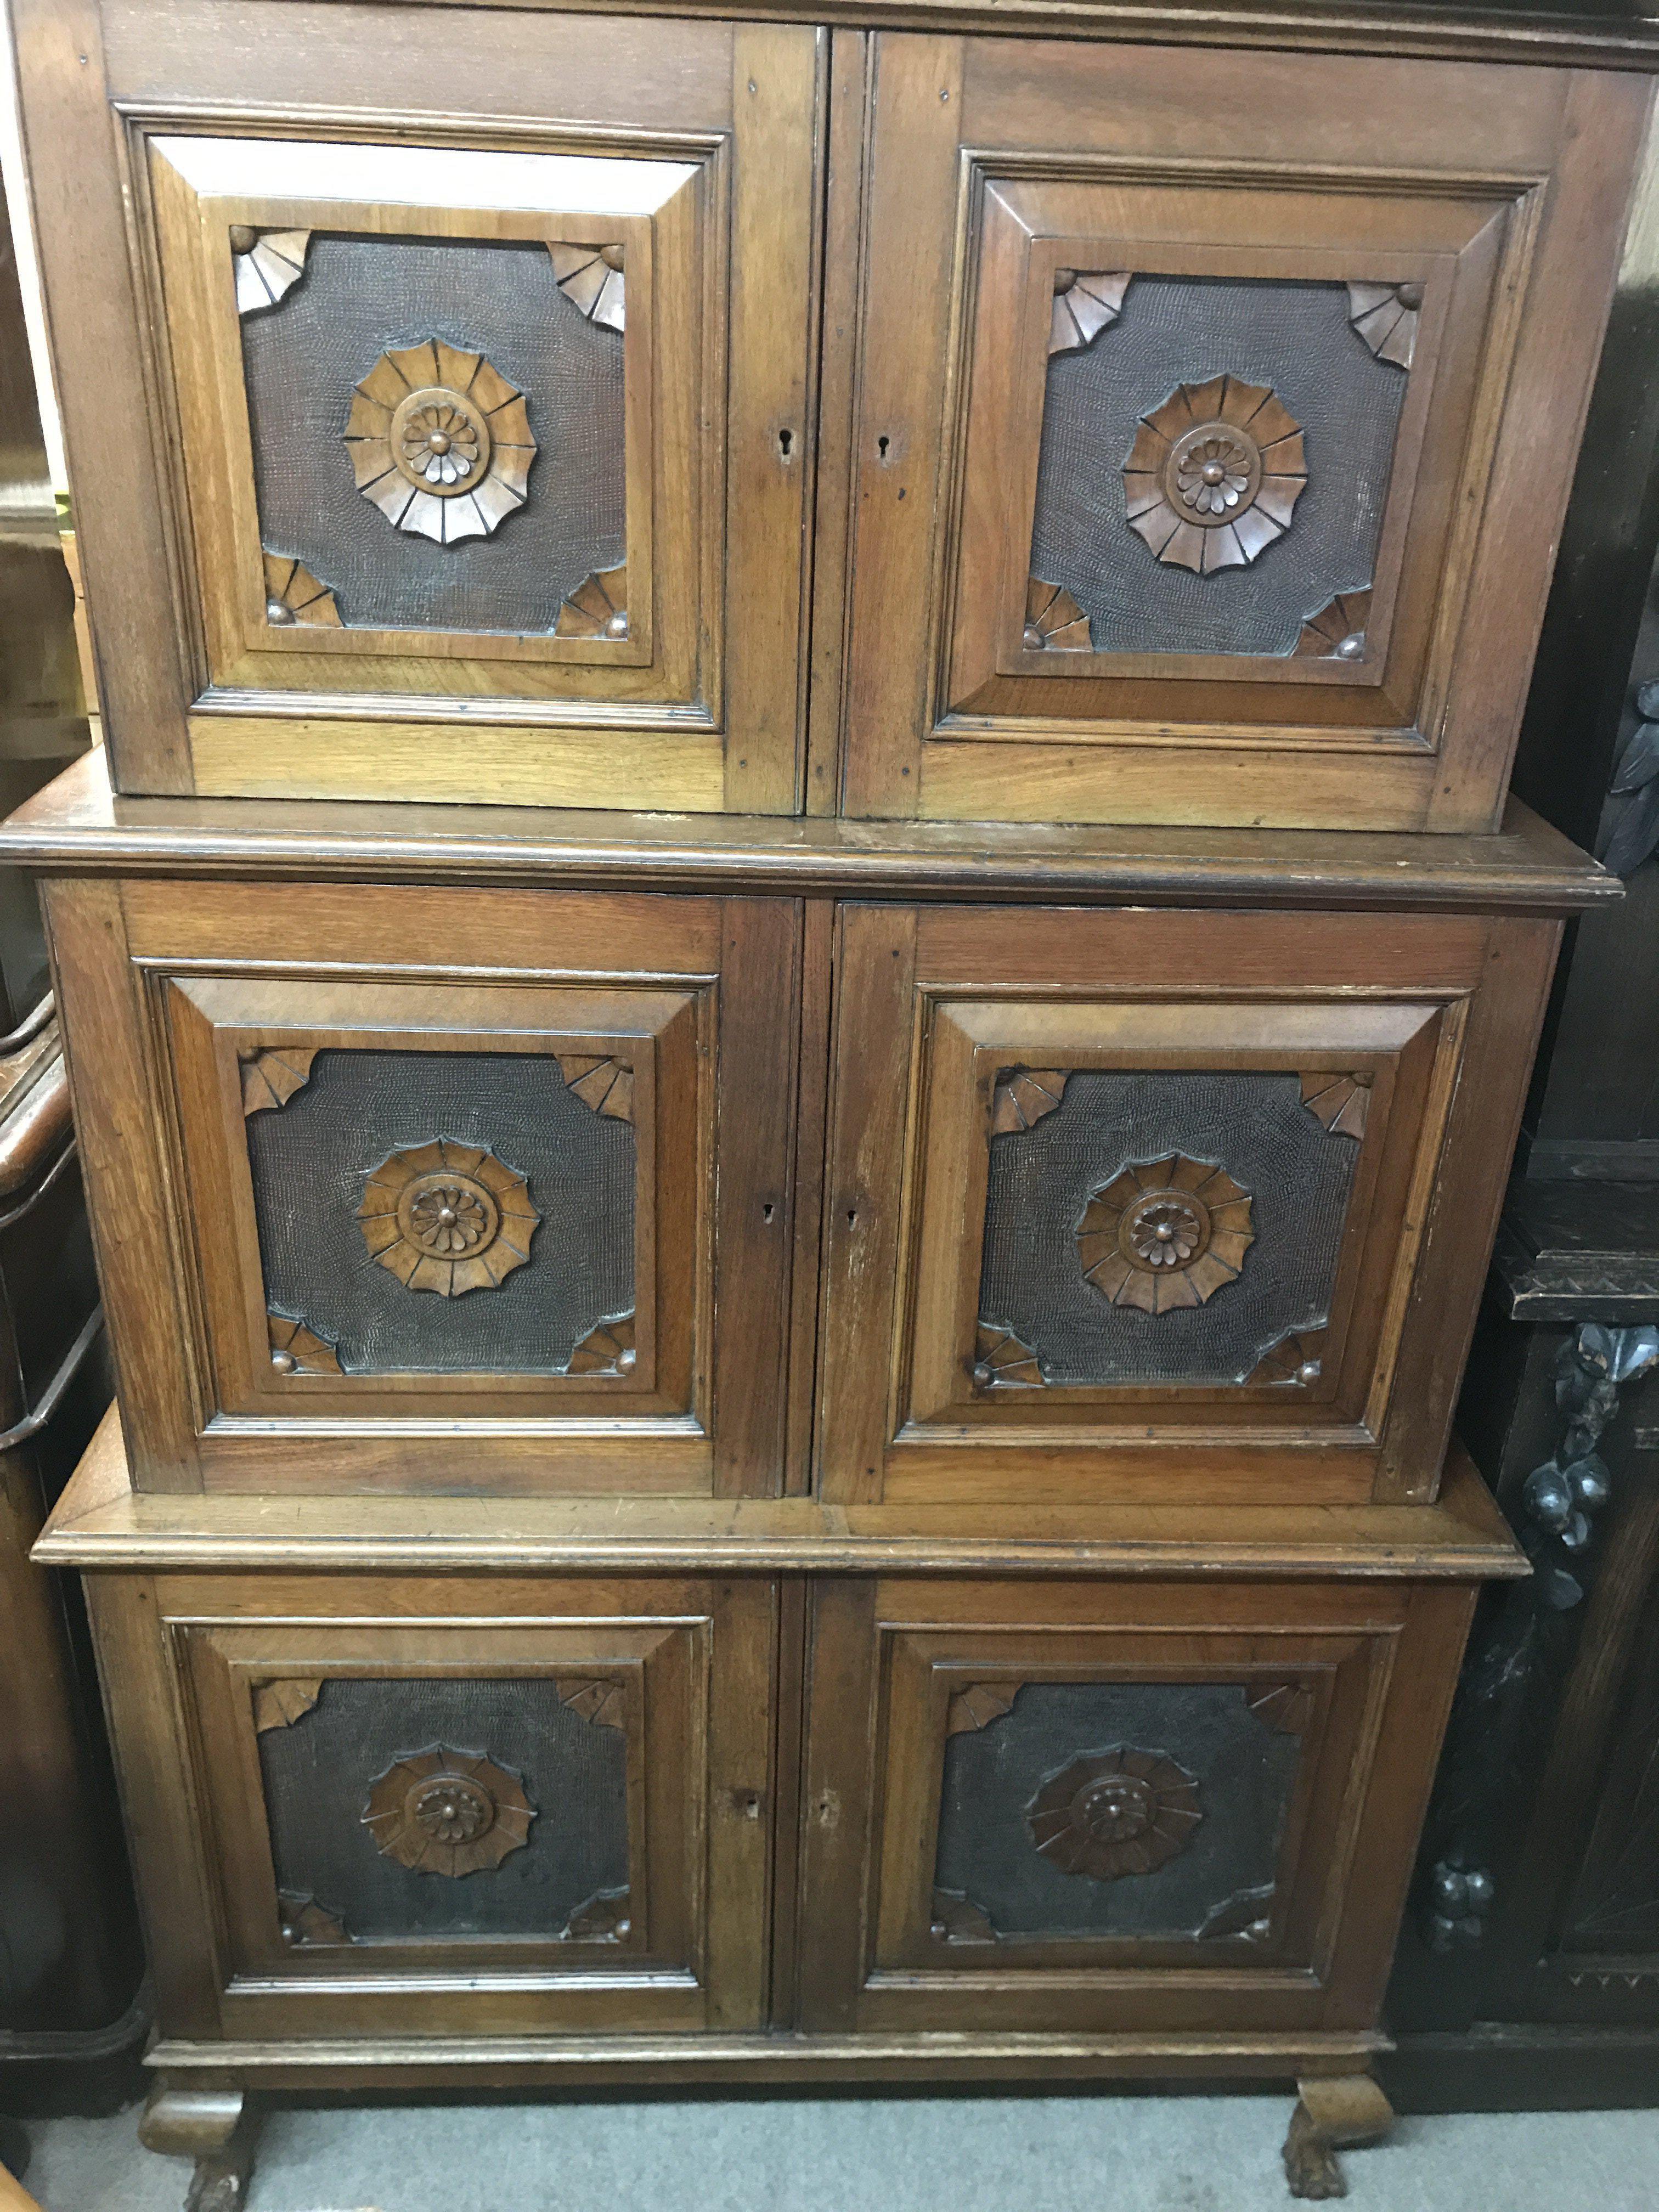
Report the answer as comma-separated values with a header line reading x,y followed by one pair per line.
x,y
76,826
1614,37
100,1524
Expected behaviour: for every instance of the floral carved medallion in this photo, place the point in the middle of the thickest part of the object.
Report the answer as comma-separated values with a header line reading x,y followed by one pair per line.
x,y
266,264
440,441
1337,632
1114,1813
1165,1233
1214,474
1386,317
442,1811
447,1217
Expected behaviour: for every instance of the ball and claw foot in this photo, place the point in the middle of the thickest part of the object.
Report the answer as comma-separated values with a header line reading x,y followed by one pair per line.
x,y
218,2129
1332,2115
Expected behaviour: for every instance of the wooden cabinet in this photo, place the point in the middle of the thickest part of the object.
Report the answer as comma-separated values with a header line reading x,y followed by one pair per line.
x,y
1099,1808
494,1807
1161,1204
1137,433
798,1309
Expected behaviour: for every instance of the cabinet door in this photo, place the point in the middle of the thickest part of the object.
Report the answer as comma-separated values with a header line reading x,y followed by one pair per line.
x,y
1162,1205
451,1181
1108,1807
485,337
504,1806
1216,412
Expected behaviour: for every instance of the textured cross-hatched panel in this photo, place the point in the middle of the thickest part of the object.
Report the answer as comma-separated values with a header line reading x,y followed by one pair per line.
x,y
359,298
317,1777
1295,338
1254,1125
310,1160
1244,1769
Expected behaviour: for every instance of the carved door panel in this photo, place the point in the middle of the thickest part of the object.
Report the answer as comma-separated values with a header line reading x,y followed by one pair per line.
x,y
1219,410
1104,1806
535,1818
1162,1204
494,452
474,1203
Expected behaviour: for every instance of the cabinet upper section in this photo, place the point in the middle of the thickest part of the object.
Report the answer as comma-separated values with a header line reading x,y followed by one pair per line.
x,y
487,405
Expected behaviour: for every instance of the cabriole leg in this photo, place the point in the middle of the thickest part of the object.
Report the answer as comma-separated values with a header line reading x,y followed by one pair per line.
x,y
1332,2115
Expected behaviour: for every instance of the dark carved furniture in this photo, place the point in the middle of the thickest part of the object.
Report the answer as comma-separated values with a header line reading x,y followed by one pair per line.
x,y
803,1434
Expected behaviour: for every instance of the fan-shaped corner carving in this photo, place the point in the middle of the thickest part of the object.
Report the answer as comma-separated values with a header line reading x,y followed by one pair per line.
x,y
1341,1101
603,1704
598,608
606,1086
305,1922
267,265
1337,632
1109,1813
1085,303
440,441
606,1350
297,1350
1386,317
448,1811
447,1217
280,1704
272,1073
1023,1095
1054,621
957,1919
1248,1913
1297,1360
294,599
1165,1233
606,1918
1286,1707
592,278
978,1706
1214,474
1001,1361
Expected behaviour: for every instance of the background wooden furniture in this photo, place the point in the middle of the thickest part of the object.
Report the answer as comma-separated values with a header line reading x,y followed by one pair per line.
x,y
806,1436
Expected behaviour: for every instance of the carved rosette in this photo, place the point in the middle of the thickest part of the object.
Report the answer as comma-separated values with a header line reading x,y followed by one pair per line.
x,y
591,278
1297,1360
442,1811
607,1350
1054,621
1342,1102
1214,474
440,441
1114,1813
1165,1233
1337,632
294,598
1001,1361
597,609
297,1350
1084,304
447,1217
1386,317
606,1086
1023,1095
266,264
272,1073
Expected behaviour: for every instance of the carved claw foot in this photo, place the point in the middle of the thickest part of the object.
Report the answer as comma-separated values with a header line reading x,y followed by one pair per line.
x,y
1332,2115
217,2127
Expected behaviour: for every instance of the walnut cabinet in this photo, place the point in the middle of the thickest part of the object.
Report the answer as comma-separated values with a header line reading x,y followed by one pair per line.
x,y
718,415
796,989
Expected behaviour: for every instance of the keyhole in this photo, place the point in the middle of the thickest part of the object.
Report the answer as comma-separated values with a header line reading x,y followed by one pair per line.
x,y
786,442
882,444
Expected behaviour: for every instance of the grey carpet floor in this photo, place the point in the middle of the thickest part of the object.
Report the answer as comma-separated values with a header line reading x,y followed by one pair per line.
x,y
958,2154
